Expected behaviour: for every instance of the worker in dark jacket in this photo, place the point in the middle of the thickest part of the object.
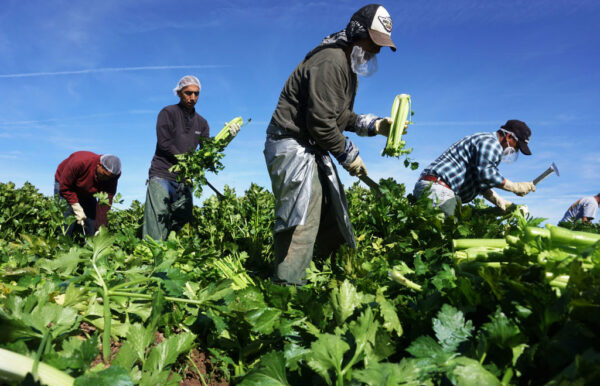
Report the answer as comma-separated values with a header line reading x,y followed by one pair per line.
x,y
179,129
314,108
78,178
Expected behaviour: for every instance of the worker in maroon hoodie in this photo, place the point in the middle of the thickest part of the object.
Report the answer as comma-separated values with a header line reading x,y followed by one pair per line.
x,y
81,176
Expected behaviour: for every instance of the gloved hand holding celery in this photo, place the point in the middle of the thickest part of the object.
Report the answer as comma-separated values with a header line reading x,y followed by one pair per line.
x,y
230,130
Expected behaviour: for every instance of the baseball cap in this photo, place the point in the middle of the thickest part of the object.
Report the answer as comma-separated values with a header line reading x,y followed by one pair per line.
x,y
521,131
378,23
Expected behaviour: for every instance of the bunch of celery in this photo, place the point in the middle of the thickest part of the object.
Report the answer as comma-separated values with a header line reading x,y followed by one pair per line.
x,y
232,267
224,135
191,167
554,248
400,113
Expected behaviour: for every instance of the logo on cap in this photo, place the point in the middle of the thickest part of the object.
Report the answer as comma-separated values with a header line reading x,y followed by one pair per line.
x,y
386,22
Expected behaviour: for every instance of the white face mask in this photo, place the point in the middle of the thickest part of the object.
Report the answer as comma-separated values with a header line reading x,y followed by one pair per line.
x,y
509,155
363,63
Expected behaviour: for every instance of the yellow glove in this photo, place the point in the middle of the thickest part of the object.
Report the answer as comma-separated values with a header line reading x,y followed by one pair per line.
x,y
382,126
518,188
357,167
79,213
495,199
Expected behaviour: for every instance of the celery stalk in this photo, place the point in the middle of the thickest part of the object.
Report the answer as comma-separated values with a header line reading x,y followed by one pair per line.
x,y
400,112
224,133
478,254
531,233
401,279
565,237
512,240
458,244
14,367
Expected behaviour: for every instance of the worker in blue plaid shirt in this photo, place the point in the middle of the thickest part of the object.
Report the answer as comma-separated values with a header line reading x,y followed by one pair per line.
x,y
470,167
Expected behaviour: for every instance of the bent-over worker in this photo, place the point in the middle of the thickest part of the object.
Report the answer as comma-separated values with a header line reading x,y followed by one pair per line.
x,y
78,178
470,167
585,209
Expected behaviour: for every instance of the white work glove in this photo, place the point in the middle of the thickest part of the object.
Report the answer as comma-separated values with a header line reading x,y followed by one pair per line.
x,y
79,213
495,199
382,126
357,167
234,128
518,188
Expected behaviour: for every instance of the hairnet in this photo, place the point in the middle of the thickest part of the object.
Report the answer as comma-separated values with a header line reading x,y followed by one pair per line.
x,y
112,163
186,81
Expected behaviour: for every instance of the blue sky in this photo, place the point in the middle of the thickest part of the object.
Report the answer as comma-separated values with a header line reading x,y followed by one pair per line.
x,y
81,75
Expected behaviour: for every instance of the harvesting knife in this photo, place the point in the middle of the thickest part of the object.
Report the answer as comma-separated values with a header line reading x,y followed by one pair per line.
x,y
220,195
371,184
546,173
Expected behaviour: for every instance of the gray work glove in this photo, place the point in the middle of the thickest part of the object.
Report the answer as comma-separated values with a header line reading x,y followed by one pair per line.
x,y
382,126
495,199
357,167
518,188
79,213
234,129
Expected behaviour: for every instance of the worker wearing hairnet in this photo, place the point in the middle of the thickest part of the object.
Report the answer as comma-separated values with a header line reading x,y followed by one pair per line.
x,y
78,178
179,129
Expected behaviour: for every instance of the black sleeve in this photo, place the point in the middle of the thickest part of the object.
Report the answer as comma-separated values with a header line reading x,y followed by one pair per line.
x,y
164,136
326,96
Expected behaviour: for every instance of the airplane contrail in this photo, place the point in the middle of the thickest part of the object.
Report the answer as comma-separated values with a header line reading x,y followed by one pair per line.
x,y
110,69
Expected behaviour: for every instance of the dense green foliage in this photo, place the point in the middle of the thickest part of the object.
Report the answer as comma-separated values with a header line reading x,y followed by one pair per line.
x,y
65,301
191,167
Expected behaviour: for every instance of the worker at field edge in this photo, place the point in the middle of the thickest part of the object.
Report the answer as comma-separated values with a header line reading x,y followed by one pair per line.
x,y
585,209
470,167
314,108
179,129
78,178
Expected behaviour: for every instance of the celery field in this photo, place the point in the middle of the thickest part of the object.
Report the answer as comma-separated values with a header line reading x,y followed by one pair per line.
x,y
483,298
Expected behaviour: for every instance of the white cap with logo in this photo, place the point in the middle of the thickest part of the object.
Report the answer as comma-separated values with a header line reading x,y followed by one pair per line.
x,y
378,22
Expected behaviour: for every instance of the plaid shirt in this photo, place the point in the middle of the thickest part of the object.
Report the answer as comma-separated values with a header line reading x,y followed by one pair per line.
x,y
470,166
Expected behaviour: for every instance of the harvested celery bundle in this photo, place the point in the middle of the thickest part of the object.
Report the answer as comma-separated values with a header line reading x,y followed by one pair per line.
x,y
192,166
400,113
224,134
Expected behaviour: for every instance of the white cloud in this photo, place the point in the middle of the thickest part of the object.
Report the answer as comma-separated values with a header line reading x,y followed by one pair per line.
x,y
15,154
110,69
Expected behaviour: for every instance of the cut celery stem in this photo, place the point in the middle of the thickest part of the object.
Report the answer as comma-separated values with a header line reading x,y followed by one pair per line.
x,y
401,279
14,367
458,244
